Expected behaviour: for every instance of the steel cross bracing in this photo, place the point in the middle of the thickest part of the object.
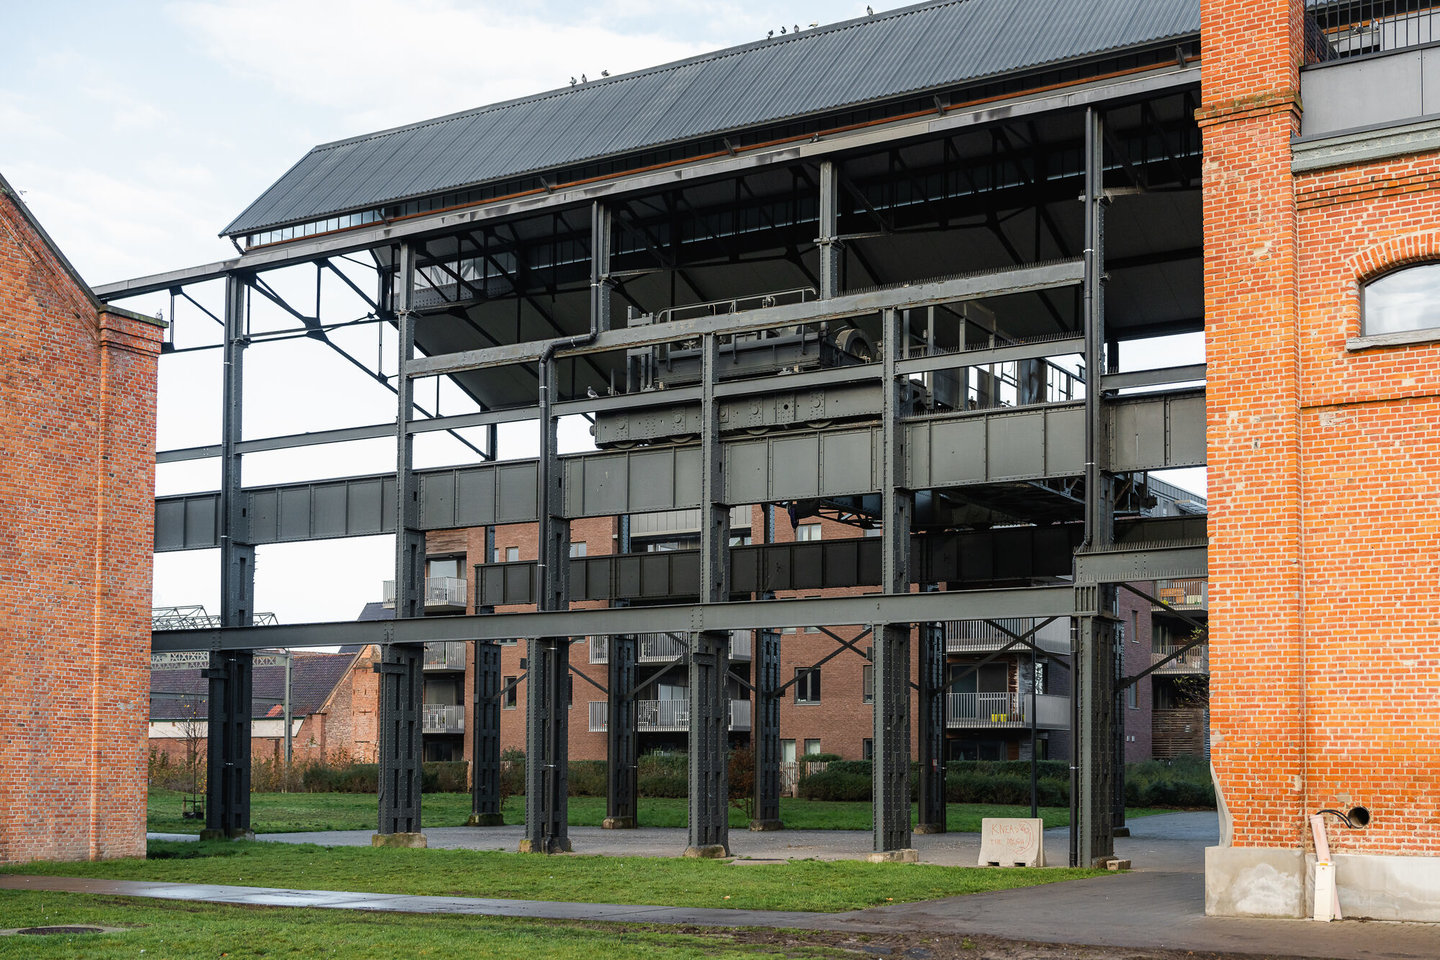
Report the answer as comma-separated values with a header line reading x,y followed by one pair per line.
x,y
1085,440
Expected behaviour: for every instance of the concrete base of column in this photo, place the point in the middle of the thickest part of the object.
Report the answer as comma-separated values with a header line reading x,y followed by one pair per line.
x,y
227,834
904,855
765,826
928,828
714,851
414,840
555,846
618,823
486,820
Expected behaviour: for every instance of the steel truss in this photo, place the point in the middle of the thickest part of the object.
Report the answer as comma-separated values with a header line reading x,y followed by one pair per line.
x,y
557,490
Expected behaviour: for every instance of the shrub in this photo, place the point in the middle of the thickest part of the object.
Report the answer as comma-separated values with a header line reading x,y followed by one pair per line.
x,y
836,785
588,778
664,775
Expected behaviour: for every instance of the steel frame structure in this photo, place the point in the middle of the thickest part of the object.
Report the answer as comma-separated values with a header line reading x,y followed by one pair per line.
x,y
1079,442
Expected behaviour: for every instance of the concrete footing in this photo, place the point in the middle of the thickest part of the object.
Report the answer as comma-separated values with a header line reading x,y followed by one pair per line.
x,y
928,828
765,826
903,855
556,846
714,851
618,823
486,820
227,834
414,840
1272,882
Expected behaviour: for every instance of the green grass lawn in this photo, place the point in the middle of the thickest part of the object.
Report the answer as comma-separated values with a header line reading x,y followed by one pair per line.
x,y
295,812
182,931
818,885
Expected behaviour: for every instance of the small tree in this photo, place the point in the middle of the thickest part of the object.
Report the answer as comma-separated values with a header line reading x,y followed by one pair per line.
x,y
742,780
194,727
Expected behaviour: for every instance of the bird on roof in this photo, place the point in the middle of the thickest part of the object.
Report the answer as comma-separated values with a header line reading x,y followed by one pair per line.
x,y
869,12
782,31
797,28
584,79
572,81
769,34
604,73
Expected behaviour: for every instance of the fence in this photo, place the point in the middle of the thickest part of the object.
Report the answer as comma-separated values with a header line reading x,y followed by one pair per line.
x,y
1339,29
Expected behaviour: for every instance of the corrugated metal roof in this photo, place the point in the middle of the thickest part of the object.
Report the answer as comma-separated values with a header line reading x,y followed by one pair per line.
x,y
904,51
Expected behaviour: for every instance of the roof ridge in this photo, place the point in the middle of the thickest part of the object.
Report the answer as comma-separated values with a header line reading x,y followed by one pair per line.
x,y
708,56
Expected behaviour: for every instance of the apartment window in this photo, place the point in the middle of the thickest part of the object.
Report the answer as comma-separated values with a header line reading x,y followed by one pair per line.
x,y
787,751
1134,626
807,531
812,747
867,683
1402,301
438,567
507,699
807,685
740,540
867,749
1132,696
1040,678
512,554
569,690
577,549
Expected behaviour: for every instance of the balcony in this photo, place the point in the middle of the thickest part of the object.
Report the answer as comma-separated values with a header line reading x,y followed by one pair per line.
x,y
1183,594
443,718
981,636
665,716
441,656
442,594
1005,711
1192,663
667,647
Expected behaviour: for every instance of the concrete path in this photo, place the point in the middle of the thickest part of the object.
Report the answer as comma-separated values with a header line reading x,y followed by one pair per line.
x,y
1160,905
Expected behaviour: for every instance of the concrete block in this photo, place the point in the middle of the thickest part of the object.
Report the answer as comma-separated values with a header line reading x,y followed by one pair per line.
x,y
765,826
1254,882
618,823
415,840
1374,887
714,851
903,855
1012,842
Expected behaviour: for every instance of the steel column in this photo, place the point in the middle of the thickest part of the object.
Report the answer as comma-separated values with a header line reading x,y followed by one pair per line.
x,y
767,731
931,817
601,286
400,667
547,727
227,808
1093,710
892,640
622,740
485,809
709,661
831,250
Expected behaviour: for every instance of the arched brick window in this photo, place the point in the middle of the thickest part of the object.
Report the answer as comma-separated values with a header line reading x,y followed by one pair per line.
x,y
1401,301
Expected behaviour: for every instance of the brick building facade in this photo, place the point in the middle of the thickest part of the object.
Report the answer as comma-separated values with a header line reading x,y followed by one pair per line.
x,y
1324,453
77,466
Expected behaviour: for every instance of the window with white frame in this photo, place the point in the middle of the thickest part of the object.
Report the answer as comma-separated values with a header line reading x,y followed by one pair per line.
x,y
1402,301
867,683
807,532
807,684
577,548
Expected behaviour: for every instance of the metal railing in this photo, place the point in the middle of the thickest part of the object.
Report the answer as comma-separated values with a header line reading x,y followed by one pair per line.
x,y
664,716
443,718
1339,29
1183,594
668,647
963,636
1005,710
445,655
1193,661
439,592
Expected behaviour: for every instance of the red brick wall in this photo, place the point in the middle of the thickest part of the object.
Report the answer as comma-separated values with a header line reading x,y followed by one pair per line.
x,y
77,447
1324,467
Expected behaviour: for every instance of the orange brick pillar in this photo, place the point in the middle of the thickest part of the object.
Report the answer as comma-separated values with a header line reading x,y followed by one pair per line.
x,y
1251,53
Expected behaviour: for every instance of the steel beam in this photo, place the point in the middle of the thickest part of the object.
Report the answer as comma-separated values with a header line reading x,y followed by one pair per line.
x,y
1053,601
400,667
227,810
1045,276
892,638
485,798
832,251
622,740
708,663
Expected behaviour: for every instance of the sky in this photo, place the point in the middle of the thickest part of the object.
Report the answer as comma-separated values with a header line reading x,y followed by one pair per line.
x,y
136,131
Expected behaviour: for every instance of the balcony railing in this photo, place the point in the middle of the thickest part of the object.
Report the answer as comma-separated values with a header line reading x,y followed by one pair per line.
x,y
969,636
665,716
1339,29
444,655
667,648
1183,594
443,718
1192,662
441,593
1005,710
